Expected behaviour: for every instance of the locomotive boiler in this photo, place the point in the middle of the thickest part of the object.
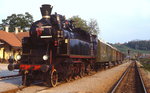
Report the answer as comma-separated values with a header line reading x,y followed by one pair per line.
x,y
56,50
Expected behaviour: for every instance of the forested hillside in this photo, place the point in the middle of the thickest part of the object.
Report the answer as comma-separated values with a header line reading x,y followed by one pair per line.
x,y
139,45
136,46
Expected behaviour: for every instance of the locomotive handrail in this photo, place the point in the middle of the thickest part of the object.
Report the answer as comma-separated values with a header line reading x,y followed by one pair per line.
x,y
46,26
45,36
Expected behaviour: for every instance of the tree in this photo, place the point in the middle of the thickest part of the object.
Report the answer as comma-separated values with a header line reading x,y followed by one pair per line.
x,y
17,20
93,27
79,23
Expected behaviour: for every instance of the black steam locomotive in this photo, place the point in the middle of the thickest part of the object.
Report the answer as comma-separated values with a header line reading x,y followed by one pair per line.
x,y
56,50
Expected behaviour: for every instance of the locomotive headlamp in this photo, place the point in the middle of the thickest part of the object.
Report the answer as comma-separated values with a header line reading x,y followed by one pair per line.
x,y
18,57
45,57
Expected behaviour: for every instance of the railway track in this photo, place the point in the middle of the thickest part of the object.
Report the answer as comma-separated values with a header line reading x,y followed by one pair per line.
x,y
8,77
21,87
130,82
14,90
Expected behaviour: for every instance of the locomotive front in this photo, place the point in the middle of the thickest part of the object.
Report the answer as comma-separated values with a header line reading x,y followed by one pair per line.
x,y
36,58
36,47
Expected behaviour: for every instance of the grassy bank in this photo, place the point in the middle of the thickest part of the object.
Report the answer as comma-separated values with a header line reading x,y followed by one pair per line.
x,y
145,63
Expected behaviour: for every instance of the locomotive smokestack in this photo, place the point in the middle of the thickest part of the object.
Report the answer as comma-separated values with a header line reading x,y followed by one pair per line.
x,y
46,10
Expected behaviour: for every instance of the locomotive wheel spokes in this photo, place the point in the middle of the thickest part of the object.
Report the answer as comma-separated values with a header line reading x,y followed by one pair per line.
x,y
82,70
69,73
53,79
68,78
88,69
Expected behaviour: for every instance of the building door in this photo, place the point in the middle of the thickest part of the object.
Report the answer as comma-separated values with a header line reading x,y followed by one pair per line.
x,y
3,59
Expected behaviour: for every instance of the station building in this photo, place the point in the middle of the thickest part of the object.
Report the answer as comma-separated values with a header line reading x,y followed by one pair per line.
x,y
10,44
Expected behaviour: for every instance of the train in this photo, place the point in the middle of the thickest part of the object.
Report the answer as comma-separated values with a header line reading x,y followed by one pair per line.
x,y
56,51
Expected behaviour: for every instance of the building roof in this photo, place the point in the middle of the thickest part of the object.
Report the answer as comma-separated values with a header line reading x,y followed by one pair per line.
x,y
20,35
12,39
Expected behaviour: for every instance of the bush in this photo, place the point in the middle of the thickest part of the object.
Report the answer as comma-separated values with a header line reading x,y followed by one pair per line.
x,y
146,63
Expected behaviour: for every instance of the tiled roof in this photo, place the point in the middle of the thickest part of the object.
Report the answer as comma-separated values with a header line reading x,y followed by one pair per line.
x,y
20,35
12,39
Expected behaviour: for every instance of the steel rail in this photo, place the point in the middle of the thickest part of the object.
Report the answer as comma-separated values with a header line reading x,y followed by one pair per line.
x,y
11,76
142,82
120,80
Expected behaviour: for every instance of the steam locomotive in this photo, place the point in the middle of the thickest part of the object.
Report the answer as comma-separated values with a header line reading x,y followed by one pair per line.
x,y
56,50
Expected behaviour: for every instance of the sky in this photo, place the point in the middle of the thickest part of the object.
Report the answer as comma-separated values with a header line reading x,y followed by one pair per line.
x,y
119,20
